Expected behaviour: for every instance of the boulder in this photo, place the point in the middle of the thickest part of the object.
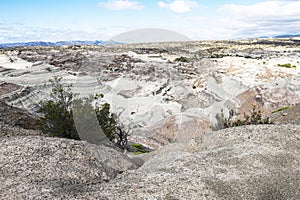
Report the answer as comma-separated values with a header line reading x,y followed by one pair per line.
x,y
35,167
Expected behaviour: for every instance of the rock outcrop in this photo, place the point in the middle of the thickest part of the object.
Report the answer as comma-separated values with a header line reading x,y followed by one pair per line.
x,y
34,167
266,100
286,115
16,117
148,88
250,162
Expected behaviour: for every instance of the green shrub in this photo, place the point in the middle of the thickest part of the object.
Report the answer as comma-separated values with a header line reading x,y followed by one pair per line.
x,y
287,65
181,59
57,113
254,117
140,149
85,115
138,153
58,119
138,146
107,120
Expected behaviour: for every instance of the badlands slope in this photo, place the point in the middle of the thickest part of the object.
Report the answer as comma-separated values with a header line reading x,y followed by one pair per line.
x,y
159,99
169,106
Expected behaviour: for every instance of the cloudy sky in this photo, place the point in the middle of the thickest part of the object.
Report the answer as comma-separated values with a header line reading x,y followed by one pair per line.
x,y
53,20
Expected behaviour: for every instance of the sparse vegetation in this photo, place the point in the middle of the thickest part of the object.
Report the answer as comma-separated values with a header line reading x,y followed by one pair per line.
x,y
254,117
139,146
58,121
107,121
138,152
215,55
140,149
181,59
287,65
281,109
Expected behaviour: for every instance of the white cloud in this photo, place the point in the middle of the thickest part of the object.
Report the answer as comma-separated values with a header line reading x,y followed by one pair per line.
x,y
267,9
121,5
179,6
21,33
261,19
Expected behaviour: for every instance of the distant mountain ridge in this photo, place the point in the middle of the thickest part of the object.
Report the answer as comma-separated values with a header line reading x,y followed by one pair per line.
x,y
287,35
56,44
281,36
95,42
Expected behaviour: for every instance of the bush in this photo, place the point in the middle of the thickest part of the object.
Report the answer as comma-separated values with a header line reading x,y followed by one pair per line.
x,y
85,115
182,59
288,65
58,118
254,117
57,113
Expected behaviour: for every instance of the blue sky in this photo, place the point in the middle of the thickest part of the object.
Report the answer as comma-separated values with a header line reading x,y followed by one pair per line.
x,y
53,20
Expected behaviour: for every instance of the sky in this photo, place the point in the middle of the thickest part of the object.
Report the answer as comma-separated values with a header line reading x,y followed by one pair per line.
x,y
56,20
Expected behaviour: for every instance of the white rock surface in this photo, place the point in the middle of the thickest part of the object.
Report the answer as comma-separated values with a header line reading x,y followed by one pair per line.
x,y
145,89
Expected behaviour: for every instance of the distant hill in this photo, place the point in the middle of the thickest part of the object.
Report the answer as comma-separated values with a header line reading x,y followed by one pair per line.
x,y
281,36
287,36
136,36
55,44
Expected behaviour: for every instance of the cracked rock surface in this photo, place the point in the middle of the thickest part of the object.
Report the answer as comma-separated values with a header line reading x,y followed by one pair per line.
x,y
41,167
250,162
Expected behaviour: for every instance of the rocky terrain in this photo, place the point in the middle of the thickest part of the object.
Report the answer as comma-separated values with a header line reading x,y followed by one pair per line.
x,y
168,95
40,167
157,97
250,162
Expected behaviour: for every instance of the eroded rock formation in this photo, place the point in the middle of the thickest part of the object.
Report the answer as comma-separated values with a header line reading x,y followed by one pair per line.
x,y
169,106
